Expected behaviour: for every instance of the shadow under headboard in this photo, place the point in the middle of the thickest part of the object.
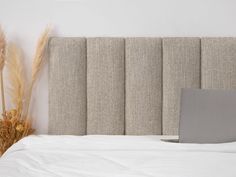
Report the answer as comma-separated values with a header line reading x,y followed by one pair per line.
x,y
131,86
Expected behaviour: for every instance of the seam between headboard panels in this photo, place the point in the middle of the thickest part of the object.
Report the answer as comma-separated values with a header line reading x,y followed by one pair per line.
x,y
124,87
200,63
162,86
86,87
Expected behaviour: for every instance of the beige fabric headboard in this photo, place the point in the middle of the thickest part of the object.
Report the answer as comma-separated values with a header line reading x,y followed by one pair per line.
x,y
131,86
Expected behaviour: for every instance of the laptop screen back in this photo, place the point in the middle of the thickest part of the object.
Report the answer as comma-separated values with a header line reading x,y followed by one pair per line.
x,y
207,116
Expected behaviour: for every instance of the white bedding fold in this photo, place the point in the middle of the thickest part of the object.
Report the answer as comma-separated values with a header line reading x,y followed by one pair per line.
x,y
116,156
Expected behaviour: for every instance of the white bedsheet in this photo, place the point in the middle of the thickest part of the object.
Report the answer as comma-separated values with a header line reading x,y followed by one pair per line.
x,y
116,156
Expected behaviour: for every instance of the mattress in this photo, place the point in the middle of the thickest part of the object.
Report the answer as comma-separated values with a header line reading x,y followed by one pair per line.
x,y
116,156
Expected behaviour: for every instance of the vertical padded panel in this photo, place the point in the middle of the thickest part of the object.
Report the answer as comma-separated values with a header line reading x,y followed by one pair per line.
x,y
105,86
219,63
181,69
143,86
67,86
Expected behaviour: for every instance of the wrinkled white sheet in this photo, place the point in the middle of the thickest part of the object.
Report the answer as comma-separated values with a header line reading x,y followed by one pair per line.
x,y
116,156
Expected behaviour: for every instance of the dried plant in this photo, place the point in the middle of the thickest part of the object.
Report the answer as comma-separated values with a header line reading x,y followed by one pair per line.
x,y
2,62
12,129
37,63
16,77
2,48
14,124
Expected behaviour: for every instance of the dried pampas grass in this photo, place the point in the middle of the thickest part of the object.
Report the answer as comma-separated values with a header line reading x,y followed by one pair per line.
x,y
16,123
40,54
2,62
2,48
37,63
16,77
12,129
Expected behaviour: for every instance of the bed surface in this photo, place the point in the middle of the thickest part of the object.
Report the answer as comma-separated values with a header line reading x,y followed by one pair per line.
x,y
116,156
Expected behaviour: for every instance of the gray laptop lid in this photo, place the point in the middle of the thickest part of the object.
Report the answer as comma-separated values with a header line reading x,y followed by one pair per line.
x,y
207,116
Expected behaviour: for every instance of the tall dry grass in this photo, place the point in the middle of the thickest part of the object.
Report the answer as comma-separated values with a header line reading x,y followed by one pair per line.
x,y
16,123
16,77
38,61
2,62
2,48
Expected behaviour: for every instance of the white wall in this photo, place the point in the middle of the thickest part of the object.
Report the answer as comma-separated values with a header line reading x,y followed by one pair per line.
x,y
23,20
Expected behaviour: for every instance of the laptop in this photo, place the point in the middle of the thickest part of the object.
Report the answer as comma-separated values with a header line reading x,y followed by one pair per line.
x,y
207,116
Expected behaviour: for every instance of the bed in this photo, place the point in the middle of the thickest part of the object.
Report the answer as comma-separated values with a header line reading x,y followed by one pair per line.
x,y
120,156
114,106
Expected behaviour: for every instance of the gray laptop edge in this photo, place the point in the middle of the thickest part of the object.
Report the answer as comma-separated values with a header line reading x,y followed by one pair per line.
x,y
207,116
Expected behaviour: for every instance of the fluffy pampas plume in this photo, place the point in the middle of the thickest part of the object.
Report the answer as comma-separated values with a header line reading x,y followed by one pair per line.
x,y
2,62
37,63
2,48
16,77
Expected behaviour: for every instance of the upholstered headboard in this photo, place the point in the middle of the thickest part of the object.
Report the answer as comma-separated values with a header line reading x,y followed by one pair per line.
x,y
131,85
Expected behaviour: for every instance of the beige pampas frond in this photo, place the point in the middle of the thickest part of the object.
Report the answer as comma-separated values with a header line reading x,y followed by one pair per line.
x,y
16,77
40,54
38,62
2,48
2,62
